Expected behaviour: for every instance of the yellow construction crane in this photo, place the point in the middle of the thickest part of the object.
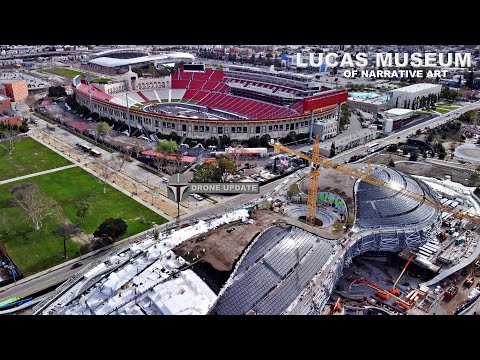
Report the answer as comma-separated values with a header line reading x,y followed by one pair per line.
x,y
316,161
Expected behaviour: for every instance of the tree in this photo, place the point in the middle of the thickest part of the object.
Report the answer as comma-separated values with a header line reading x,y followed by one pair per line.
x,y
391,163
225,141
104,130
470,80
67,230
350,221
111,229
294,190
337,226
83,210
165,148
206,173
442,155
392,148
253,142
55,91
8,139
138,71
414,156
36,205
418,132
226,166
104,171
332,150
404,151
265,140
118,160
474,177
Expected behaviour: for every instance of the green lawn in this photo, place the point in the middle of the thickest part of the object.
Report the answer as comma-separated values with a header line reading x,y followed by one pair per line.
x,y
442,110
101,80
34,251
64,72
28,157
70,74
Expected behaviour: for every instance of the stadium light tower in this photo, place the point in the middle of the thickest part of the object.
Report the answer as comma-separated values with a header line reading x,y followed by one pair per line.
x,y
128,109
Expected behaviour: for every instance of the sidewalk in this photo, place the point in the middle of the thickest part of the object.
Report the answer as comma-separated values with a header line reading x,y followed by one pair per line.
x,y
86,168
37,174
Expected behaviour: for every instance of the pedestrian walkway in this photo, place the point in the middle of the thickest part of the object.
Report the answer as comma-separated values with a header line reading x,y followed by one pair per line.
x,y
85,167
37,174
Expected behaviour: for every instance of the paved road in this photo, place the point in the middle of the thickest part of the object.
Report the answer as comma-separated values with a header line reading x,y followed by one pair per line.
x,y
37,174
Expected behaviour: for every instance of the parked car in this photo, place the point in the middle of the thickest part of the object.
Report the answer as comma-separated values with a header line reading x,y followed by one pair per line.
x,y
164,179
196,197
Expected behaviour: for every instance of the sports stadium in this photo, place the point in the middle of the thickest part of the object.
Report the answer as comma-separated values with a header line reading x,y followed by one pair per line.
x,y
239,102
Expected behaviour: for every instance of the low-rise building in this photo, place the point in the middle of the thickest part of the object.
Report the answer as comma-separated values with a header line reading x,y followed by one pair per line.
x,y
409,97
16,90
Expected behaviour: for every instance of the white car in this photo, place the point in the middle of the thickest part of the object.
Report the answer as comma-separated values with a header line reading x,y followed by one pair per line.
x,y
196,197
165,180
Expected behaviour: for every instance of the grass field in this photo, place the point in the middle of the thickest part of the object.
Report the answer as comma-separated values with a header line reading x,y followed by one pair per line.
x,y
64,72
34,251
28,157
70,74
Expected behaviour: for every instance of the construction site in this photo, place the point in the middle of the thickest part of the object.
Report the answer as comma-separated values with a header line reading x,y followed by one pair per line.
x,y
355,239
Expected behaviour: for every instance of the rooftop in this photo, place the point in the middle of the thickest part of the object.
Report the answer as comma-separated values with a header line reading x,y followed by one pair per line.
x,y
416,87
113,62
398,112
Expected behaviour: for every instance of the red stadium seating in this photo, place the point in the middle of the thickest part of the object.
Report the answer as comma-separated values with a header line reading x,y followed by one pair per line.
x,y
210,85
179,84
196,84
189,94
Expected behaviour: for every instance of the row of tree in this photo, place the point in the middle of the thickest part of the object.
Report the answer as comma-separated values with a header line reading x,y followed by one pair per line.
x,y
419,102
267,60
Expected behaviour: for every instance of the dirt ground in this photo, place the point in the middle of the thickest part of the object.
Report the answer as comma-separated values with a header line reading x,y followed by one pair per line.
x,y
430,170
223,248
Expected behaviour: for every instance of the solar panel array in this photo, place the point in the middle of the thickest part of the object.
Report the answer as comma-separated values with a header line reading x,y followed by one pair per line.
x,y
380,207
270,285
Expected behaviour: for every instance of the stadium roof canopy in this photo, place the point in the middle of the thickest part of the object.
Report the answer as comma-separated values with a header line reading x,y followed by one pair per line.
x,y
161,58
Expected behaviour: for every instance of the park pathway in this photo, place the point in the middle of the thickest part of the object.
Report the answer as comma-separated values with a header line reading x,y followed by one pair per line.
x,y
37,174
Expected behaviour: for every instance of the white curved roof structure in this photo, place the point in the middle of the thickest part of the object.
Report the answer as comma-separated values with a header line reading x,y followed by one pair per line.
x,y
161,58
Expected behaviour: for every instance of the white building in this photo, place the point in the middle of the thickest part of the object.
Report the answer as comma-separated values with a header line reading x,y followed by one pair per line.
x,y
406,96
399,114
325,129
